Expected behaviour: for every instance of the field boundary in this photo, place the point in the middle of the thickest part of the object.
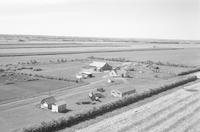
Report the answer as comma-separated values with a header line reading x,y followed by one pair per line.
x,y
82,52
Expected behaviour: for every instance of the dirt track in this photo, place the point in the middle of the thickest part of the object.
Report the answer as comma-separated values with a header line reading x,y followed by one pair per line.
x,y
176,112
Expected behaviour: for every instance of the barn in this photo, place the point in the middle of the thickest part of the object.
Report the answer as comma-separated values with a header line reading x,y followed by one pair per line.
x,y
100,66
47,102
59,107
122,91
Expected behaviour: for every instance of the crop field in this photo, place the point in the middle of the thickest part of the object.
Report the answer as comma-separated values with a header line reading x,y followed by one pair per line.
x,y
179,56
35,67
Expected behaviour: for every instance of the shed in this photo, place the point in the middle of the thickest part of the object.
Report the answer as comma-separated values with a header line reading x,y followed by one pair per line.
x,y
47,102
122,91
59,107
84,74
87,73
100,66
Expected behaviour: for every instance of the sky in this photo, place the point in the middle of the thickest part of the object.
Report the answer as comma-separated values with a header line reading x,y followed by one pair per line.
x,y
164,19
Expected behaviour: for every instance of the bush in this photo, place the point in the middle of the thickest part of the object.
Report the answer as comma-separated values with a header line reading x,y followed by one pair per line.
x,y
37,69
62,123
2,70
9,82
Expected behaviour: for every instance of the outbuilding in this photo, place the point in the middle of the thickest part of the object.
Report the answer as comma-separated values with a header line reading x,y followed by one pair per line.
x,y
123,91
59,107
87,74
84,74
47,102
100,66
119,73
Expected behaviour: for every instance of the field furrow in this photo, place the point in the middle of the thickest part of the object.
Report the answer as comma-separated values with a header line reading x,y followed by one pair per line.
x,y
176,117
153,113
160,117
186,123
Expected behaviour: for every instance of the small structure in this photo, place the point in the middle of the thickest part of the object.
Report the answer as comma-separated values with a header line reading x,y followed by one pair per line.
x,y
47,102
110,81
113,73
79,76
119,73
100,66
84,74
87,74
124,73
121,92
59,107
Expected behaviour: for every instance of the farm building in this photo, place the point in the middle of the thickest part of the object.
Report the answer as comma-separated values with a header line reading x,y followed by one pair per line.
x,y
119,73
47,102
100,66
122,91
59,107
123,73
113,73
84,74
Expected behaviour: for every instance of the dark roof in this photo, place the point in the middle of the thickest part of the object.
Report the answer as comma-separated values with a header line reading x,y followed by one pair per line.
x,y
60,103
49,100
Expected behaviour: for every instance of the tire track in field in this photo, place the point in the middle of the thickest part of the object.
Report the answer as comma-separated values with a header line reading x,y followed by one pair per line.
x,y
127,120
147,118
160,117
175,117
188,127
186,122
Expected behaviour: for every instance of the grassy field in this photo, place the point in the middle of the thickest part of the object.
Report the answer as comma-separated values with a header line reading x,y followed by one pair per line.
x,y
16,87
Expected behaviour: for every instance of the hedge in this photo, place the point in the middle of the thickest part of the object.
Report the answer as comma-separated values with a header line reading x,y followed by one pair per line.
x,y
144,62
63,122
189,71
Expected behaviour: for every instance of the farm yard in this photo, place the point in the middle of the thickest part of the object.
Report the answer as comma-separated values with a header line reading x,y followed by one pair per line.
x,y
86,75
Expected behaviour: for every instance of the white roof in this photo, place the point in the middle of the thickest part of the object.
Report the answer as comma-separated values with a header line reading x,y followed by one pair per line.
x,y
86,72
98,64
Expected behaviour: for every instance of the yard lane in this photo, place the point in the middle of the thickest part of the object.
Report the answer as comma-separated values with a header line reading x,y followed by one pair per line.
x,y
178,111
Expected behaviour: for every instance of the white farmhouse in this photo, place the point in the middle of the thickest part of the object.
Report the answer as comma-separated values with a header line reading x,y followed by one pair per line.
x,y
47,102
